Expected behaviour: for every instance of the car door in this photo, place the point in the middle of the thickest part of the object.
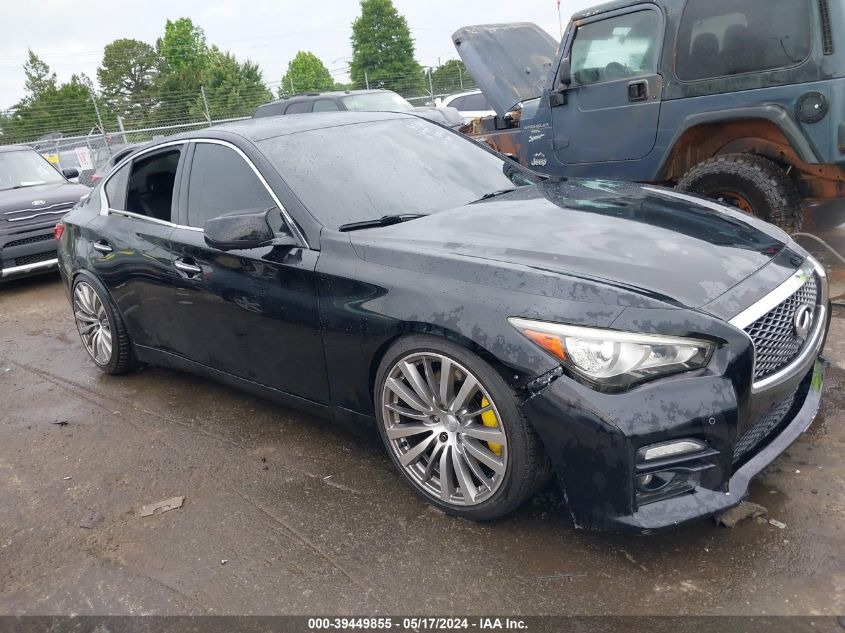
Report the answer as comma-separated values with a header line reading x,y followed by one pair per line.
x,y
130,242
251,313
612,106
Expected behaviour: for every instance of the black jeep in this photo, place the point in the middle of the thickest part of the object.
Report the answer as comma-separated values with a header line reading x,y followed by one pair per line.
x,y
738,100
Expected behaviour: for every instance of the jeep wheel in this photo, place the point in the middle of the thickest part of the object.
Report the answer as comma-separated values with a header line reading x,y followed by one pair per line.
x,y
750,183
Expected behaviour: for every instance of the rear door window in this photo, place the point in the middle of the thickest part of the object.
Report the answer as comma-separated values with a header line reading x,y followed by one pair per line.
x,y
152,180
115,188
475,103
720,38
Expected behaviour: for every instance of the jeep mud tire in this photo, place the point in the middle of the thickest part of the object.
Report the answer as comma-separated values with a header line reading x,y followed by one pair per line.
x,y
751,183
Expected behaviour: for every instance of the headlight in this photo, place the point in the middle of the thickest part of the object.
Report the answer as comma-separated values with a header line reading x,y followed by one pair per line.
x,y
612,358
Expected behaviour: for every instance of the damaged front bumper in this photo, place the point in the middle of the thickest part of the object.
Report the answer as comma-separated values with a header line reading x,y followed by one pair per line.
x,y
595,442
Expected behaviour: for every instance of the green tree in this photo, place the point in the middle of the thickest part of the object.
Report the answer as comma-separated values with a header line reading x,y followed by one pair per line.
x,y
183,46
185,57
305,73
232,89
383,50
451,77
39,79
128,76
66,108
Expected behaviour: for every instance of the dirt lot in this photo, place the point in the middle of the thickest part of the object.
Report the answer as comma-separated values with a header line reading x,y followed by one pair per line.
x,y
286,514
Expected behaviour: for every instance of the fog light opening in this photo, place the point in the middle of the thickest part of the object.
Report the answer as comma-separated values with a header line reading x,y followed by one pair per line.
x,y
654,482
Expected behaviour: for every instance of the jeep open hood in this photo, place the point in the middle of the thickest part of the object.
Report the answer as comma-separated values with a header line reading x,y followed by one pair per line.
x,y
509,62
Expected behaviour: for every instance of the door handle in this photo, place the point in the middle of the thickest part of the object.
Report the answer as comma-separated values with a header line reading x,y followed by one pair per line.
x,y
103,247
186,267
638,90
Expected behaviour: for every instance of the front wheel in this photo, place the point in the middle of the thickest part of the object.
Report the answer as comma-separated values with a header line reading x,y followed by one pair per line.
x,y
452,427
750,183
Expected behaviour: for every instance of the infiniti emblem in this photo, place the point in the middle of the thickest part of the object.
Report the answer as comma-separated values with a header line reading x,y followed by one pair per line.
x,y
38,203
802,320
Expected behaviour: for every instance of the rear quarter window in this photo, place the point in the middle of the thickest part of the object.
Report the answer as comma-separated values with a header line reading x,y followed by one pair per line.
x,y
298,107
721,38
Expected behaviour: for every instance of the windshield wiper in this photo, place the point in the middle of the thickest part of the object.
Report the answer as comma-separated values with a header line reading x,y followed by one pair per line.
x,y
385,220
493,194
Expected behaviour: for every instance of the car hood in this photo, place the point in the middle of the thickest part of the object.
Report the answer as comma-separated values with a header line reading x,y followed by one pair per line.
x,y
509,62
657,242
30,205
447,116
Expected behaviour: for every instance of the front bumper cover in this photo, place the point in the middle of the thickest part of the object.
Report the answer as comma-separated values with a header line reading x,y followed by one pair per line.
x,y
594,458
27,251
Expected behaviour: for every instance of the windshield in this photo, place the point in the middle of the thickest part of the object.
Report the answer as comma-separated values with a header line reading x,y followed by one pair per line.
x,y
26,169
359,172
376,102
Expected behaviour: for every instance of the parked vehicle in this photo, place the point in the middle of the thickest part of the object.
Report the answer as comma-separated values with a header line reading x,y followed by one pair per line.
x,y
117,155
356,101
738,100
471,105
33,194
652,349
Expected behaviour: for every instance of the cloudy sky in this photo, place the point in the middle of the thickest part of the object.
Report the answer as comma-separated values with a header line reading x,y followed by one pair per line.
x,y
70,34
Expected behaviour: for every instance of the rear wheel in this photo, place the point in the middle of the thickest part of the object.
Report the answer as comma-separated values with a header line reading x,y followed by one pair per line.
x,y
750,183
452,427
100,327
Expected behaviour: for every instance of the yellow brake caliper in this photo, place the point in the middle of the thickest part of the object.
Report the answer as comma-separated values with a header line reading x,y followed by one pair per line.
x,y
488,418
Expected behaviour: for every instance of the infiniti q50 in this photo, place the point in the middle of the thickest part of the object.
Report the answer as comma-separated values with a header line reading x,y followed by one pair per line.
x,y
652,351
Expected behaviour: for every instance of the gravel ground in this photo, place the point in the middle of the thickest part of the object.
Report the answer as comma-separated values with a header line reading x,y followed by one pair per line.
x,y
287,514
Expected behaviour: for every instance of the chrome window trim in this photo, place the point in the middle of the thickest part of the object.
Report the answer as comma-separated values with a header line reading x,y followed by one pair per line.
x,y
812,347
288,219
105,209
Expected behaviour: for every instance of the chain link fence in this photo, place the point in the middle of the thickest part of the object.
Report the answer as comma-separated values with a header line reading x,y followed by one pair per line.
x,y
83,137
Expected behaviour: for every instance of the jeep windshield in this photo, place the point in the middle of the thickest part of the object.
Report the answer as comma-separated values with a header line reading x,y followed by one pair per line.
x,y
376,102
26,169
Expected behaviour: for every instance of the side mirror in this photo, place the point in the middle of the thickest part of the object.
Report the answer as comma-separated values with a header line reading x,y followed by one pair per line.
x,y
247,230
70,172
558,96
566,73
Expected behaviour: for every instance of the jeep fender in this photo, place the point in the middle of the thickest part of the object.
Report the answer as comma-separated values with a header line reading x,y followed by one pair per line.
x,y
774,114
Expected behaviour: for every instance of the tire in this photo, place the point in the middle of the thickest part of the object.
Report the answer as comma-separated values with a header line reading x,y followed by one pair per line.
x,y
752,183
511,445
95,313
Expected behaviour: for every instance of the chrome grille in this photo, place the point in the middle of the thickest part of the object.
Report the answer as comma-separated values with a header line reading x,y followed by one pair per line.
x,y
773,334
767,423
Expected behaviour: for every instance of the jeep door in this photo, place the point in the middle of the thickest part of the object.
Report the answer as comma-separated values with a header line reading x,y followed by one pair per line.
x,y
612,106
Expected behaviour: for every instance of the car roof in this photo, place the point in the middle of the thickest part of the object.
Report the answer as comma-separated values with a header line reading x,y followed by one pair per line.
x,y
328,93
621,4
462,94
15,148
270,127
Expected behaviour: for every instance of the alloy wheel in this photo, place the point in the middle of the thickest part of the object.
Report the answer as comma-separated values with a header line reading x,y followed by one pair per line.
x,y
92,322
444,429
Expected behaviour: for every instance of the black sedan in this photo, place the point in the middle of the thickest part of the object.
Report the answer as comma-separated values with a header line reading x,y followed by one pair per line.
x,y
652,350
